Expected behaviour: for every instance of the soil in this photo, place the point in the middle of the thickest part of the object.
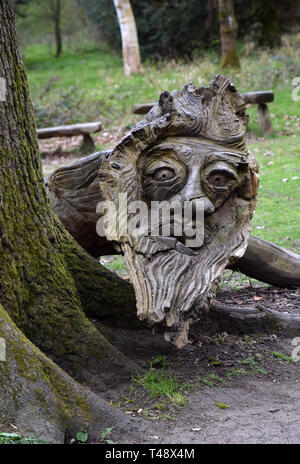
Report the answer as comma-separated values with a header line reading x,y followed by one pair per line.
x,y
239,388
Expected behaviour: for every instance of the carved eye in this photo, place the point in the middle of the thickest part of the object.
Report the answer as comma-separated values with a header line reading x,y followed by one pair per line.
x,y
220,179
164,174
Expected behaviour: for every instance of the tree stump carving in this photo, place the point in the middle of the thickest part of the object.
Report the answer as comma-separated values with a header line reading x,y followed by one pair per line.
x,y
191,146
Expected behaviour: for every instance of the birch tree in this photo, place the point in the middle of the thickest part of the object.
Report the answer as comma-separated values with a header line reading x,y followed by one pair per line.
x,y
130,43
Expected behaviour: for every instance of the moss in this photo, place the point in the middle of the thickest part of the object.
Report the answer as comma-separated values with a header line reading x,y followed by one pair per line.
x,y
34,368
231,60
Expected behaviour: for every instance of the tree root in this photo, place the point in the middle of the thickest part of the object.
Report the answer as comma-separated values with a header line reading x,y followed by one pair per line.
x,y
245,320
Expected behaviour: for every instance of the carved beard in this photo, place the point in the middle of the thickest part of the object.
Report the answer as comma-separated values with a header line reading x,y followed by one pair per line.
x,y
172,287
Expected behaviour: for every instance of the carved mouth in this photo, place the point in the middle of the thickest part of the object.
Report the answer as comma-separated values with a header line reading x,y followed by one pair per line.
x,y
179,245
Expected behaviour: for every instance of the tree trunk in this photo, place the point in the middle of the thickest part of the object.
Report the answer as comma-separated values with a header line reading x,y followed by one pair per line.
x,y
58,39
270,263
228,34
130,44
46,280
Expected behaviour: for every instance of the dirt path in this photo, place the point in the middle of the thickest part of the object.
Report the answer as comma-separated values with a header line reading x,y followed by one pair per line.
x,y
259,412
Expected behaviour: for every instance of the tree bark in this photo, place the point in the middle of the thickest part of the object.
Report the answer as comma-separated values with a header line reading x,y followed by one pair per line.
x,y
43,401
130,44
46,280
228,34
245,320
270,263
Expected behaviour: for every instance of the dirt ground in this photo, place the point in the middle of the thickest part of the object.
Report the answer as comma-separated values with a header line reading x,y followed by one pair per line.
x,y
239,388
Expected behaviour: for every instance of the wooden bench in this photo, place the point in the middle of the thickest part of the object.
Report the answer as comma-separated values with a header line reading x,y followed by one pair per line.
x,y
74,129
259,98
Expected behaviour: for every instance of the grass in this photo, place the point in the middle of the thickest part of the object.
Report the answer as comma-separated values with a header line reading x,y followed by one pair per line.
x,y
16,439
162,384
281,356
91,85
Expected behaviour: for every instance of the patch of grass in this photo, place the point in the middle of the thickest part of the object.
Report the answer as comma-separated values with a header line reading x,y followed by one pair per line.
x,y
277,215
237,372
160,362
212,380
222,406
162,384
16,439
253,364
115,264
282,356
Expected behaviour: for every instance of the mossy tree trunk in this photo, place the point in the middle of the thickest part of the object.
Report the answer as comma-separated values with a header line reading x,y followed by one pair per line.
x,y
228,34
46,280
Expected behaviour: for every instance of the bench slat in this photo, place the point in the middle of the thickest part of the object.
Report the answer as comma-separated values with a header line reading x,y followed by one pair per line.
x,y
249,97
70,130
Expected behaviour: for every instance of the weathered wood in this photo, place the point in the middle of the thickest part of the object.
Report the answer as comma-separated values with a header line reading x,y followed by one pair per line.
x,y
74,194
245,320
70,130
259,98
265,96
264,119
190,149
143,108
270,263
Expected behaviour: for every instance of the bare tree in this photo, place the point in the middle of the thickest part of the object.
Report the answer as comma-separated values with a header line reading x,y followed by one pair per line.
x,y
130,43
228,34
53,10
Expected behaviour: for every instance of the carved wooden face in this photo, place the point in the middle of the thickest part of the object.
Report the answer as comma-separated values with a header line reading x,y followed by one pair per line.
x,y
174,283
186,169
190,147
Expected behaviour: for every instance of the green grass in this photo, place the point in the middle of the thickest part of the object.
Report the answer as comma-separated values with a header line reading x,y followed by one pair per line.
x,y
16,439
277,215
282,356
91,85
164,385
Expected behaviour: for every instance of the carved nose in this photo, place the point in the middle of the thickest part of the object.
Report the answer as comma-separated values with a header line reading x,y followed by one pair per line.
x,y
193,192
208,206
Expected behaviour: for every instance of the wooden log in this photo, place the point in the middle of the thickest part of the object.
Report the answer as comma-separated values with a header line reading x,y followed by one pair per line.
x,y
74,193
270,263
70,130
245,320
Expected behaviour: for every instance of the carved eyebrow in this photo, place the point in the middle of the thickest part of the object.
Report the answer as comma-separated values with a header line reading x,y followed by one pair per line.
x,y
234,159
